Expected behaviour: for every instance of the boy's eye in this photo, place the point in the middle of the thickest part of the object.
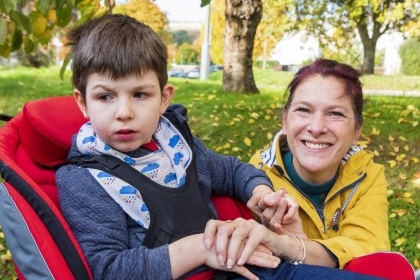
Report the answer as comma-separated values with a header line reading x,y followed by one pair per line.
x,y
104,97
139,95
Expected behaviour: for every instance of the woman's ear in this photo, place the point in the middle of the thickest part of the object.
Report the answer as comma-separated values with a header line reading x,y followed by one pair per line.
x,y
357,133
284,122
166,98
80,102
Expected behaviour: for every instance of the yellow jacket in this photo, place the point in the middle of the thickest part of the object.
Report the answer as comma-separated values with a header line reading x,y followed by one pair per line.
x,y
363,225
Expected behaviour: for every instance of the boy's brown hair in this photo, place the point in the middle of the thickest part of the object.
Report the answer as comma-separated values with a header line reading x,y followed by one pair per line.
x,y
116,45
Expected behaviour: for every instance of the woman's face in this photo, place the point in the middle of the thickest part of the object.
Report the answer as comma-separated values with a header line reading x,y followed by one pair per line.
x,y
320,127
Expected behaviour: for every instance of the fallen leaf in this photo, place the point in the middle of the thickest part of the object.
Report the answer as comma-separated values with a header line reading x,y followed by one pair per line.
x,y
375,131
416,182
399,241
6,257
392,163
408,194
400,157
362,144
255,115
247,141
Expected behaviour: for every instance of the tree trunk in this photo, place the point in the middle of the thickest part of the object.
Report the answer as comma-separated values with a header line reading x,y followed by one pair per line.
x,y
369,46
242,19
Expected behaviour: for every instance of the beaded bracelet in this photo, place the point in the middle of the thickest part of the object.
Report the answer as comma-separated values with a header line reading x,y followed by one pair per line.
x,y
298,241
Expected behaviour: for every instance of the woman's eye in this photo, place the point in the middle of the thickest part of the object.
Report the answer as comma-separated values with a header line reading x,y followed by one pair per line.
x,y
301,109
336,114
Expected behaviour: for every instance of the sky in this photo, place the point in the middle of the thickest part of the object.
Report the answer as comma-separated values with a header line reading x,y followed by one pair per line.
x,y
182,10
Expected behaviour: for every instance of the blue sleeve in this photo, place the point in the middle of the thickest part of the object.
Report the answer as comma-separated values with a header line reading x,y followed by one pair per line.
x,y
102,229
227,175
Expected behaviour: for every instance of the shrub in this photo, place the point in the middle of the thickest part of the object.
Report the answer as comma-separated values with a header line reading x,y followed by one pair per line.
x,y
410,57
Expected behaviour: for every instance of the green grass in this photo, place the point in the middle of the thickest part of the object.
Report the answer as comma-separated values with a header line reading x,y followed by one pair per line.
x,y
239,124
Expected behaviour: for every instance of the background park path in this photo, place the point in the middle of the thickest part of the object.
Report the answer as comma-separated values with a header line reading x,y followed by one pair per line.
x,y
391,92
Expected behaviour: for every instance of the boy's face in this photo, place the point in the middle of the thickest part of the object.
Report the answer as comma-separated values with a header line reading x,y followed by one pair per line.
x,y
124,112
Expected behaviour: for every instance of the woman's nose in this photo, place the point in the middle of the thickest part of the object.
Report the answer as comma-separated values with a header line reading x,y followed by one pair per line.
x,y
316,125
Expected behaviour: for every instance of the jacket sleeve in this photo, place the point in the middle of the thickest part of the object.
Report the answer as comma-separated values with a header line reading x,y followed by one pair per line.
x,y
227,175
364,225
102,229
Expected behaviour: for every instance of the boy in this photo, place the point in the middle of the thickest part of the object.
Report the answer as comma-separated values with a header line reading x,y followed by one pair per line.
x,y
120,85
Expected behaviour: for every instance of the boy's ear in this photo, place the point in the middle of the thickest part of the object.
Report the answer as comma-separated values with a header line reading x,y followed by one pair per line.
x,y
166,98
80,102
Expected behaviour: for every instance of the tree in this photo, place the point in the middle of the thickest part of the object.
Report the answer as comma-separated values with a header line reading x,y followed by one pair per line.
x,y
242,19
182,36
370,18
187,54
273,25
28,23
218,23
248,31
149,13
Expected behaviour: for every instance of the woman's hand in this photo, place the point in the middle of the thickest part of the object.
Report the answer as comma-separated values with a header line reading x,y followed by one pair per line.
x,y
259,257
276,210
240,242
291,224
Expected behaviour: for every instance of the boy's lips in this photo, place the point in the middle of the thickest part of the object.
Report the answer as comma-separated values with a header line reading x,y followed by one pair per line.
x,y
125,134
125,131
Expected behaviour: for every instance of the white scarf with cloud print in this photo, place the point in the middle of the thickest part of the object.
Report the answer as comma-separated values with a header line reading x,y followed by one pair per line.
x,y
166,166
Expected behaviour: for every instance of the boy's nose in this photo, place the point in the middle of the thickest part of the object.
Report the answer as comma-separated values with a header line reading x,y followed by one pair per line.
x,y
124,111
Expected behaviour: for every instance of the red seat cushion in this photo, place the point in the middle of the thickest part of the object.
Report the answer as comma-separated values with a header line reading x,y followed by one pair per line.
x,y
389,265
46,129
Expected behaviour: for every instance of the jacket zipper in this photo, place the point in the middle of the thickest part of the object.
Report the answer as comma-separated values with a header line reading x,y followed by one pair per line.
x,y
338,212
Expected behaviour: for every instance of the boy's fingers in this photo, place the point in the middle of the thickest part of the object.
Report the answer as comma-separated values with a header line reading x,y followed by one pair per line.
x,y
209,232
241,270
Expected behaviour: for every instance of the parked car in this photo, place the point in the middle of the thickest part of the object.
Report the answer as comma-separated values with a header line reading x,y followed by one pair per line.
x,y
215,68
194,74
177,73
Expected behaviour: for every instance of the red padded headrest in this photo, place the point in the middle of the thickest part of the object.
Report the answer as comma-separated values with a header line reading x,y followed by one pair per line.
x,y
47,127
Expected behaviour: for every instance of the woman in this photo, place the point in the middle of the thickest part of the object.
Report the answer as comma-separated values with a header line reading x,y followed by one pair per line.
x,y
341,192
